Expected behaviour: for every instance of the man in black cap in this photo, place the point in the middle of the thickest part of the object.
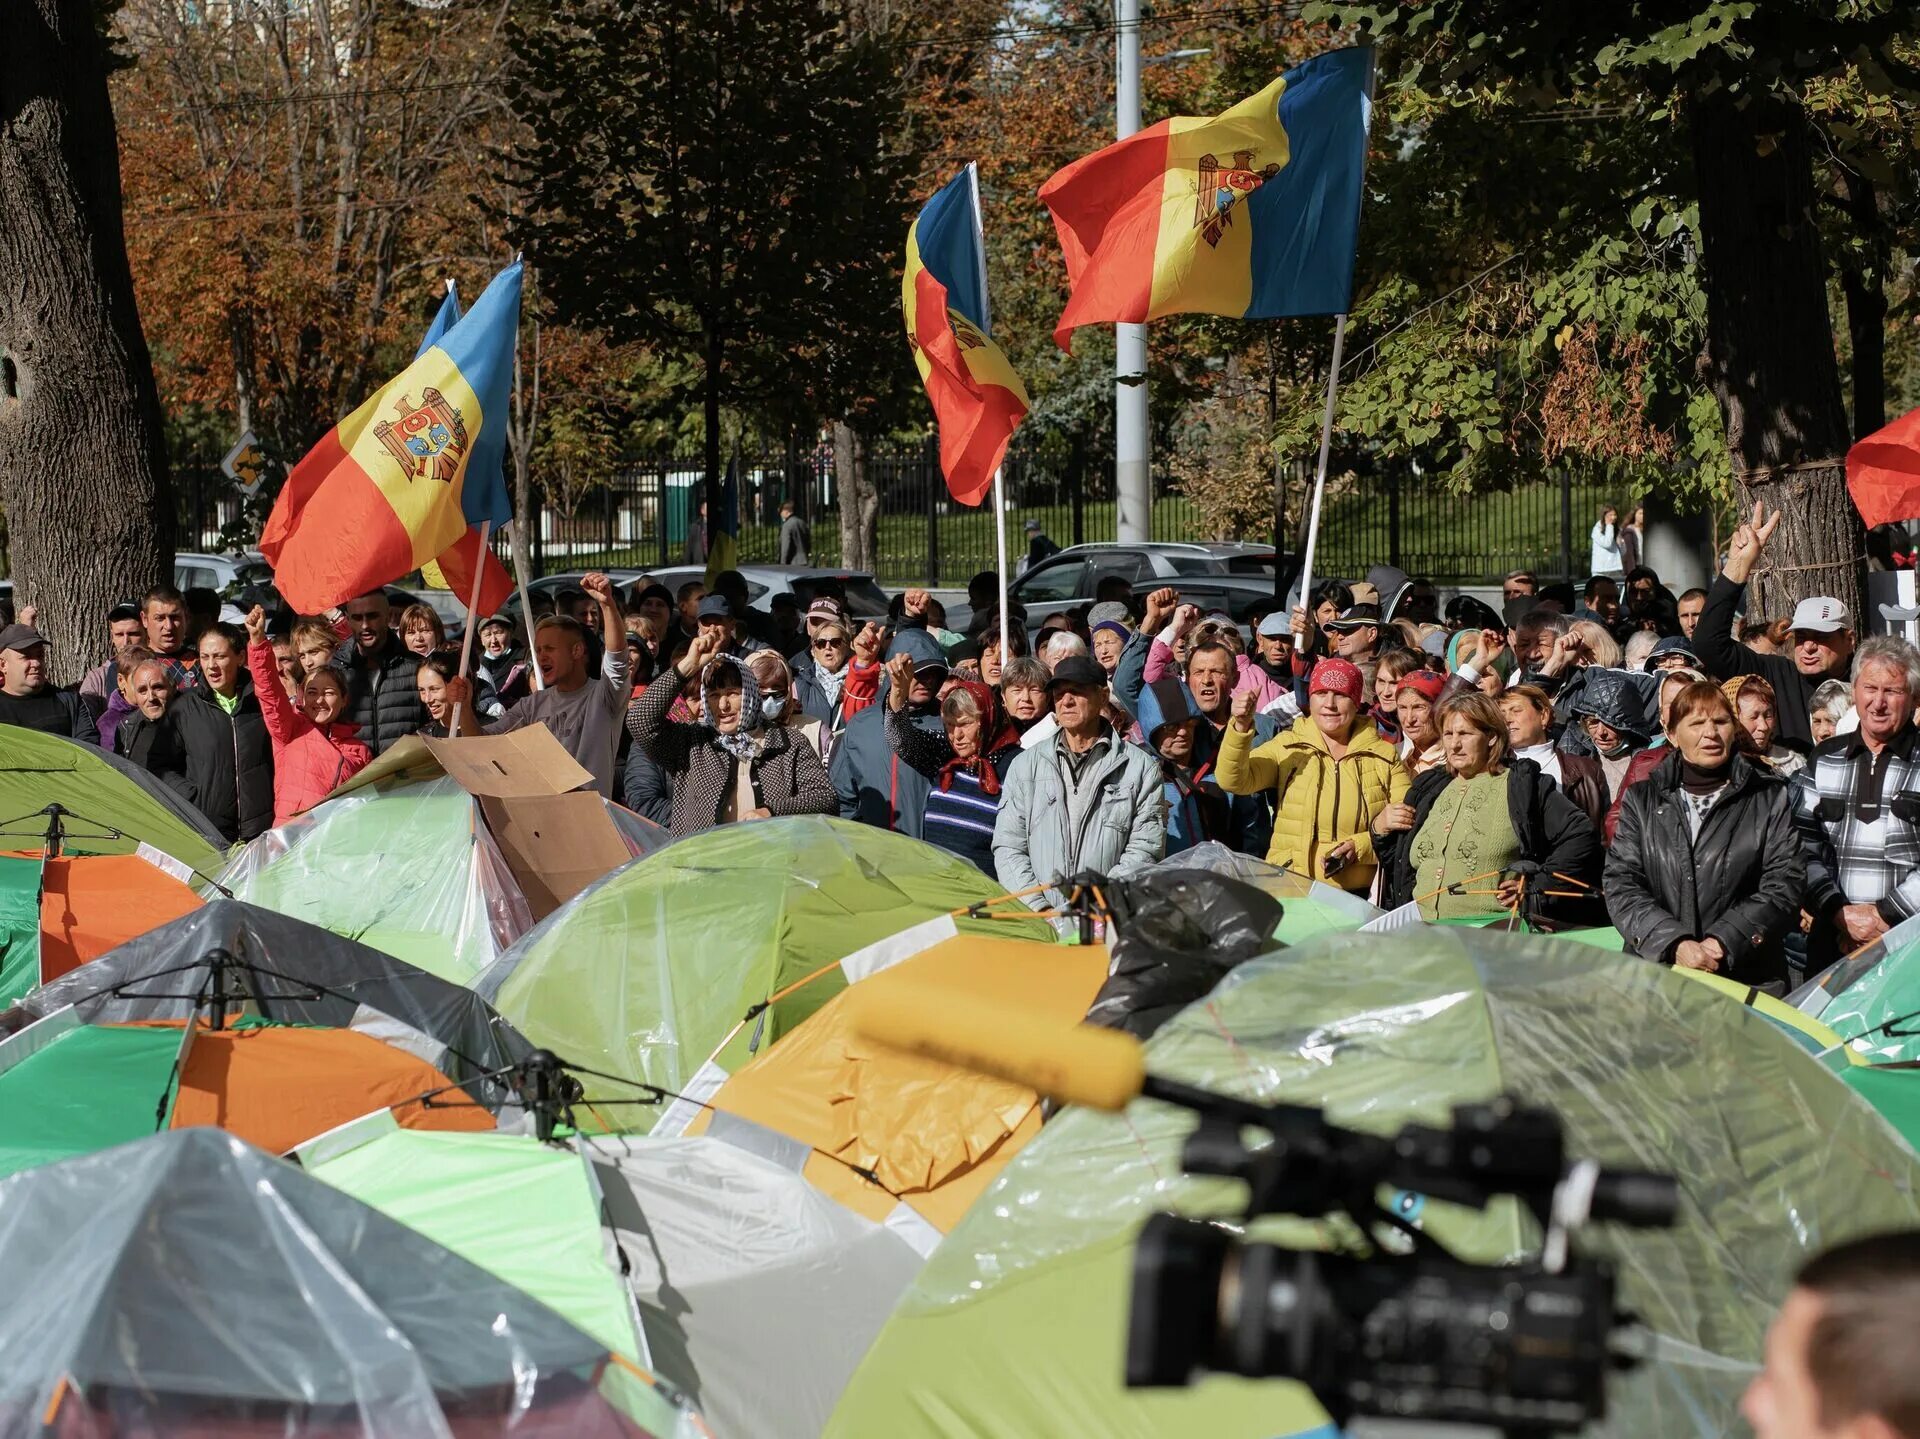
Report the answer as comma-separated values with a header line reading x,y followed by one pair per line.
x,y
124,632
1355,634
717,612
27,700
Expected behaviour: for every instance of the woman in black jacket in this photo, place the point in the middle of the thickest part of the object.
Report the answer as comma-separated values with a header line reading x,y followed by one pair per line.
x,y
1484,821
1705,871
229,753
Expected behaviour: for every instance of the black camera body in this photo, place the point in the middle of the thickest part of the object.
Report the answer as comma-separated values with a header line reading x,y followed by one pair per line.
x,y
1419,1335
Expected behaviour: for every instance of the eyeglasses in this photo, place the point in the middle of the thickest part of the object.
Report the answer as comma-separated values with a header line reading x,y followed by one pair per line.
x,y
828,644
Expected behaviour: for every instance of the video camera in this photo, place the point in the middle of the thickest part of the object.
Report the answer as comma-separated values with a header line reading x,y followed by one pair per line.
x,y
1417,1335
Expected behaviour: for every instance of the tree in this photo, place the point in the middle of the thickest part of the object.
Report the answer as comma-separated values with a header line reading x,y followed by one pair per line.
x,y
83,466
1734,77
710,178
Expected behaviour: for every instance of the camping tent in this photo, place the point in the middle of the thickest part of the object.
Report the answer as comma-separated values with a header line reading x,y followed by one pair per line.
x,y
648,972
1774,1156
1311,907
111,806
1872,998
212,1289
57,914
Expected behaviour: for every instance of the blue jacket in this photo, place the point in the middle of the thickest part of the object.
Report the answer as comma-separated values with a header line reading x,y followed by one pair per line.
x,y
1197,808
874,785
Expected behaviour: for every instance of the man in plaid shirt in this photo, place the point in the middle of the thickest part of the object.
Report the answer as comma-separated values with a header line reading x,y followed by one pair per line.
x,y
1857,806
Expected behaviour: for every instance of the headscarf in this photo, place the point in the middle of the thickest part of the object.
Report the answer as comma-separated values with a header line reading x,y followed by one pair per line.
x,y
750,739
996,734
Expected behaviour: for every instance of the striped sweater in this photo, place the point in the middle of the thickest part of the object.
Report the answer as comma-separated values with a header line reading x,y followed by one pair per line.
x,y
960,820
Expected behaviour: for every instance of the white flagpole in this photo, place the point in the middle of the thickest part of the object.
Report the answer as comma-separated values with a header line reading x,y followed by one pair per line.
x,y
473,603
526,609
1320,476
999,493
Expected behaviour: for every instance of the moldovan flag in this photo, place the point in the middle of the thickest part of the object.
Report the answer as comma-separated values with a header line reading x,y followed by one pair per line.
x,y
977,398
403,479
1883,472
1251,213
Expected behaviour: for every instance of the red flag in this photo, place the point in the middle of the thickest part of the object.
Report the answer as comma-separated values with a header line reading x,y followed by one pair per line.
x,y
456,568
1883,472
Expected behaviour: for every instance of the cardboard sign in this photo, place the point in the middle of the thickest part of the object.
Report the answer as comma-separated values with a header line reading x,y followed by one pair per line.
x,y
555,844
527,761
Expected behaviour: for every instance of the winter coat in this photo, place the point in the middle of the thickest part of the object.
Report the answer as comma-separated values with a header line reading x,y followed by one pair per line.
x,y
156,746
960,817
811,696
229,759
381,698
1740,882
1112,821
308,762
874,785
1724,657
649,789
1550,829
787,777
1583,781
1638,768
1318,801
1197,808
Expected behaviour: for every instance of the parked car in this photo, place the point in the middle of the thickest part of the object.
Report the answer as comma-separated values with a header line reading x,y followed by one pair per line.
x,y
1213,575
226,574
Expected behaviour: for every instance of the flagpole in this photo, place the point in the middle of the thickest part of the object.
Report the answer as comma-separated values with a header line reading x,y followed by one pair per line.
x,y
473,603
526,609
1320,479
999,491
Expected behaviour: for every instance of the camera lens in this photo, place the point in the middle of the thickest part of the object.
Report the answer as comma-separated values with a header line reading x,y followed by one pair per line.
x,y
1175,1311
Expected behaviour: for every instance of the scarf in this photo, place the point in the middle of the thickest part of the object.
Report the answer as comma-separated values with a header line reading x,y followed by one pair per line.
x,y
992,723
748,742
831,681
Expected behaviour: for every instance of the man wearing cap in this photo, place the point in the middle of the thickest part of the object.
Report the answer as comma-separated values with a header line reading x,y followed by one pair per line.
x,y
1085,800
873,785
719,616
1039,547
1355,633
124,632
1822,635
27,700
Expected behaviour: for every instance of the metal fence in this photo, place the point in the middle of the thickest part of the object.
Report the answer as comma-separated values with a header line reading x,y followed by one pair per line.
x,y
638,516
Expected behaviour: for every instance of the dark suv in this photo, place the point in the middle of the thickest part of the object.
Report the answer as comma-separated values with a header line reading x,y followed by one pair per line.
x,y
1218,575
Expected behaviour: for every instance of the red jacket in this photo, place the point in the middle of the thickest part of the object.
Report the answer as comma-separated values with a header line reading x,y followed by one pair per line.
x,y
308,762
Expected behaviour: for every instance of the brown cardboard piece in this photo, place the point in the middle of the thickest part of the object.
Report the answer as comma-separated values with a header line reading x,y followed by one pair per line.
x,y
556,838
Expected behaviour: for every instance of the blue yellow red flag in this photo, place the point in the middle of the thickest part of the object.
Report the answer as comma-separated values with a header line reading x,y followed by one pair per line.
x,y
403,479
723,538
1254,212
444,319
977,398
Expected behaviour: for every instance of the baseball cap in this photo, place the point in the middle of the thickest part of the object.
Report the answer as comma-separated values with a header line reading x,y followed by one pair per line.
x,y
1109,612
1354,616
826,608
496,621
1822,614
125,610
1031,525
1078,670
931,665
1276,624
715,607
1341,677
20,637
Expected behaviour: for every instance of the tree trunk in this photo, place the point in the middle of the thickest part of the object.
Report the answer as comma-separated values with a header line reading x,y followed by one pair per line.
x,y
710,395
1863,283
83,460
1769,356
859,500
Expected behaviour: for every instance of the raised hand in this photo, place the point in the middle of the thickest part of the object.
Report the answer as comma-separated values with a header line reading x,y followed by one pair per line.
x,y
1185,618
598,588
1749,542
915,602
1244,704
1160,604
256,626
866,644
899,679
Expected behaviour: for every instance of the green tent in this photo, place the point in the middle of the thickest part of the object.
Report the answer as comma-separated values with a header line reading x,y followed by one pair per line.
x,y
406,867
645,973
1872,998
113,807
1018,1322
1310,907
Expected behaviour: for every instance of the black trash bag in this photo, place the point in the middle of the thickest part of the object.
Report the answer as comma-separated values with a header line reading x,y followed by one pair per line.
x,y
1176,933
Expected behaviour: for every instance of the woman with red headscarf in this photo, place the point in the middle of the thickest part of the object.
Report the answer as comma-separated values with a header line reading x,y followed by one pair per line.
x,y
968,764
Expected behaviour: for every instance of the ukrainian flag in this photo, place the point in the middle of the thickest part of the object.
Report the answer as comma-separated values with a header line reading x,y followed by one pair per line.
x,y
977,398
402,480
1251,213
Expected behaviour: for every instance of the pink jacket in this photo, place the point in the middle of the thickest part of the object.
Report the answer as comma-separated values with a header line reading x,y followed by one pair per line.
x,y
1252,677
308,762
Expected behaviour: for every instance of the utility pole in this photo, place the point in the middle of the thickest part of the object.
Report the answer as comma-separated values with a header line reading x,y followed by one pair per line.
x,y
1132,472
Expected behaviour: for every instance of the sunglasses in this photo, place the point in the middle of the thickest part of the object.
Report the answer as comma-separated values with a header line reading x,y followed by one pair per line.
x,y
829,644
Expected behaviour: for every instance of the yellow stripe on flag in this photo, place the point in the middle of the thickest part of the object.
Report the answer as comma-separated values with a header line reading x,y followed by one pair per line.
x,y
427,506
1202,257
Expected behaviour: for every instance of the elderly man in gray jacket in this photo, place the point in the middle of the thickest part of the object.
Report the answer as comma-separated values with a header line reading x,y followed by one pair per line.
x,y
1083,800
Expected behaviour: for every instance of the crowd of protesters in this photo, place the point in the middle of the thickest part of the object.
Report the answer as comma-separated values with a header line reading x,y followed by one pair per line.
x,y
1734,792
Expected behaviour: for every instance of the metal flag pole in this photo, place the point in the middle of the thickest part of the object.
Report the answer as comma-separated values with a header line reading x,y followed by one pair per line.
x,y
526,609
1320,478
473,603
999,492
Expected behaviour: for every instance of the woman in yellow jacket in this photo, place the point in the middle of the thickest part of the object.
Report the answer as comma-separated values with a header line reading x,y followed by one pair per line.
x,y
1336,782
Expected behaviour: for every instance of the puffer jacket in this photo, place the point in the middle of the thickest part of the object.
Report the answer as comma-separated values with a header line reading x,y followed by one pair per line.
x,y
1319,801
1051,828
1741,882
1551,830
308,761
229,759
787,775
874,785
381,698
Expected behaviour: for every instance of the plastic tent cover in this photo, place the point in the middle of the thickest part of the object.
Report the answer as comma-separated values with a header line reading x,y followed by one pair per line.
x,y
526,1212
407,868
57,914
100,791
645,973
758,1293
1872,999
297,974
1312,907
211,1282
1776,1159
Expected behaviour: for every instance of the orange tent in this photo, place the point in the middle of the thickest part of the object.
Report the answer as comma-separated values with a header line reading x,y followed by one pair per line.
x,y
85,905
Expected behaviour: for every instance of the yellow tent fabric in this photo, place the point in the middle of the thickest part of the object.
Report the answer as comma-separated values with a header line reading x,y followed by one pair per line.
x,y
1804,1027
936,1135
